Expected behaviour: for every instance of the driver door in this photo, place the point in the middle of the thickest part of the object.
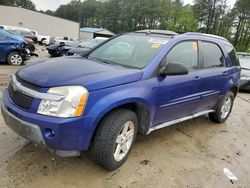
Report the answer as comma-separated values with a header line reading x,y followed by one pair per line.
x,y
178,96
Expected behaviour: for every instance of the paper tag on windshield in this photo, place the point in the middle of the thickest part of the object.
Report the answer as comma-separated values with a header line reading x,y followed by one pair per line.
x,y
157,41
155,45
194,46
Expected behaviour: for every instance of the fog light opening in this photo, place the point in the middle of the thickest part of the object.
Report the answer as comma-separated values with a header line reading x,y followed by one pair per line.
x,y
49,133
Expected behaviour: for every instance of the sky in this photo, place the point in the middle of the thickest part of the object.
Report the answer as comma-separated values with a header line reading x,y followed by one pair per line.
x,y
54,4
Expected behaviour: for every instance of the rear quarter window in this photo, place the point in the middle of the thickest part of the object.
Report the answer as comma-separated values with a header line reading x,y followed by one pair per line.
x,y
2,37
232,54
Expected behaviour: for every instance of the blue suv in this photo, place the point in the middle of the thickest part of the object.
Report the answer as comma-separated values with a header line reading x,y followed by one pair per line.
x,y
132,84
12,48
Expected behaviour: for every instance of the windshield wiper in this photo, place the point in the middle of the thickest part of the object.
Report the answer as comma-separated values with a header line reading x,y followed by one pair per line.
x,y
101,60
111,63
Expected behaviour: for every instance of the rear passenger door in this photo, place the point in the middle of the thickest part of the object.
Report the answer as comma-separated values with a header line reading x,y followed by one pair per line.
x,y
214,75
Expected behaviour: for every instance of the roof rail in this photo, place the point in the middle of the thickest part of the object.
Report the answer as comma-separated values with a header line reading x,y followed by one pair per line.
x,y
159,32
207,35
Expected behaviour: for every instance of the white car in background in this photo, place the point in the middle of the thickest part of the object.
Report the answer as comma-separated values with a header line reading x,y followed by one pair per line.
x,y
42,39
65,40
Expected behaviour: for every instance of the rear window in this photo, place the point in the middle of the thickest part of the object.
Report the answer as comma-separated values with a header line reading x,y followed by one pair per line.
x,y
213,57
232,54
1,36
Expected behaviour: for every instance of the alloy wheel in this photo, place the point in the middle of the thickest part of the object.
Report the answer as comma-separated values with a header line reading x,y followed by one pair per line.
x,y
124,140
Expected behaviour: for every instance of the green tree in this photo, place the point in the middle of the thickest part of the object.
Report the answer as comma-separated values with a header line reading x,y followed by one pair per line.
x,y
209,16
28,4
242,35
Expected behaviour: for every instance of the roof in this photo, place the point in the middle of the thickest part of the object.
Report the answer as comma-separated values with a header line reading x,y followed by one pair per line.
x,y
206,35
91,29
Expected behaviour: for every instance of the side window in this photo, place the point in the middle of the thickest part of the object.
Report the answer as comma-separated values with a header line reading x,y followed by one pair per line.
x,y
185,53
232,54
213,57
2,37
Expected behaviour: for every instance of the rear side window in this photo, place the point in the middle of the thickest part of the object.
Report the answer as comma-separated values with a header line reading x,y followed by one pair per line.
x,y
2,36
232,54
213,57
185,53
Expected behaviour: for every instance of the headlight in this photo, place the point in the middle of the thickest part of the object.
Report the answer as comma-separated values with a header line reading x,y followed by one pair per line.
x,y
245,78
72,105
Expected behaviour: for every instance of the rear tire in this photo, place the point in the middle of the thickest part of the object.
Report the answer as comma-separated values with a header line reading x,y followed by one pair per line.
x,y
15,58
114,139
223,109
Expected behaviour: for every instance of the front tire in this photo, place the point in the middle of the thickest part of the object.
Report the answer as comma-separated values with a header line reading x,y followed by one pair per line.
x,y
15,58
114,139
223,109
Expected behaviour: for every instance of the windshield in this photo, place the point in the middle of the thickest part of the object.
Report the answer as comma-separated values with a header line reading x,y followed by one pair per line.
x,y
134,51
245,63
10,35
91,43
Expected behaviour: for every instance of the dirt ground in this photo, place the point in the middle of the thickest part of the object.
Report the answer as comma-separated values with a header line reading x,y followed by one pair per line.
x,y
190,154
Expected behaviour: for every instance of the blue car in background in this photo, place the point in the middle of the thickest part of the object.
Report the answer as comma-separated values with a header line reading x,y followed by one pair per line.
x,y
12,48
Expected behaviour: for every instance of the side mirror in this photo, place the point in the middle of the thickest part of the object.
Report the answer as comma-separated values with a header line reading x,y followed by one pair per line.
x,y
173,69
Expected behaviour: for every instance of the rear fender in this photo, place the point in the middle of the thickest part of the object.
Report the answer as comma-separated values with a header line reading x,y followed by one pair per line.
x,y
232,83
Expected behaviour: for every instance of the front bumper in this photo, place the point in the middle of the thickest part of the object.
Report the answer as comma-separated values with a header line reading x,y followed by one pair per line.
x,y
32,132
27,130
66,137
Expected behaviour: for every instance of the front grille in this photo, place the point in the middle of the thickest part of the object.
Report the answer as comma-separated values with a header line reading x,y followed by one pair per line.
x,y
19,98
27,84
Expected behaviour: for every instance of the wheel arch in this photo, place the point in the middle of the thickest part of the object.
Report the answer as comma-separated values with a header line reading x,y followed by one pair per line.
x,y
234,90
13,50
141,109
231,86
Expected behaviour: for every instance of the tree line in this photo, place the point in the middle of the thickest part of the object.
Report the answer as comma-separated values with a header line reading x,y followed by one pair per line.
x,y
207,16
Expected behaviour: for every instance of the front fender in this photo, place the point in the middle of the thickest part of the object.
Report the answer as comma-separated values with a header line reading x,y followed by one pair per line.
x,y
115,99
103,101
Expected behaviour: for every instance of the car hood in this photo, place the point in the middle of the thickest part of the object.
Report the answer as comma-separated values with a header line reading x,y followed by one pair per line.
x,y
54,46
78,71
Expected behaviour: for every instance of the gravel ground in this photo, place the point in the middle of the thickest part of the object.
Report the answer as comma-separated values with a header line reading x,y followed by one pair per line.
x,y
190,154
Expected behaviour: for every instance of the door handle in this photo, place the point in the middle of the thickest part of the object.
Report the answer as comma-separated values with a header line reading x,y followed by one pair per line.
x,y
225,73
196,78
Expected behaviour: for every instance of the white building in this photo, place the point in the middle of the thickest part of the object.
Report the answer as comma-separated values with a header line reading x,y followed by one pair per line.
x,y
42,23
90,33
